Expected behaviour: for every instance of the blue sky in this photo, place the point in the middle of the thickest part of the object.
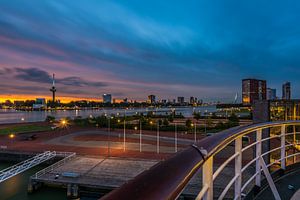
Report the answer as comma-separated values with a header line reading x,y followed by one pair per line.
x,y
133,48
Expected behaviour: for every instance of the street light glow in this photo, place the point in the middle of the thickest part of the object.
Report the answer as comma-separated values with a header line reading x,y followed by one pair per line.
x,y
11,136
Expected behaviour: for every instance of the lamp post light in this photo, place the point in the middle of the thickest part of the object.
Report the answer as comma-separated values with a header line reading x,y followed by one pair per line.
x,y
11,137
140,135
124,131
175,137
205,126
151,123
157,147
108,141
108,136
195,132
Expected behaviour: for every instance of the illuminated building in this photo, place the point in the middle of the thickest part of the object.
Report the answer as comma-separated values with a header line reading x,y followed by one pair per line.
x,y
180,100
40,103
152,99
286,91
107,98
271,94
252,90
192,100
276,110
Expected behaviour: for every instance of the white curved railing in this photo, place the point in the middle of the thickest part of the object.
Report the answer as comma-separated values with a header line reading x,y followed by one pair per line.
x,y
167,179
260,166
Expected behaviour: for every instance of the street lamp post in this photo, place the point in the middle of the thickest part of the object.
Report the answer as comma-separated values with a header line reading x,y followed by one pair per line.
x,y
108,141
140,135
157,147
124,131
11,137
195,132
205,121
175,137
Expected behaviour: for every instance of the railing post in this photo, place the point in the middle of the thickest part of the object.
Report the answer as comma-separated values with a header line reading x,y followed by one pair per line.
x,y
282,154
258,154
207,178
295,143
238,168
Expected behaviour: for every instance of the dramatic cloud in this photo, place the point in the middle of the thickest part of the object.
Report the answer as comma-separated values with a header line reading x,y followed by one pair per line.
x,y
132,48
32,74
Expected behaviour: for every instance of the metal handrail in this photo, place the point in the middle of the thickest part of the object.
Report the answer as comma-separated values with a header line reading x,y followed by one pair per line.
x,y
167,179
25,165
68,156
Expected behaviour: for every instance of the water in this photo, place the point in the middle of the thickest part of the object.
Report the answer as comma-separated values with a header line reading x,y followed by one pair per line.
x,y
16,188
14,116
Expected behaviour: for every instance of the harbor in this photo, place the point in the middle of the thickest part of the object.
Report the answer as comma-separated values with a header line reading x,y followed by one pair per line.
x,y
79,174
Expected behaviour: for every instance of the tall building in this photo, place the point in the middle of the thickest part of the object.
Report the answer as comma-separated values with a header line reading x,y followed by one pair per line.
x,y
180,100
271,94
152,99
192,100
53,88
106,98
286,91
39,103
252,90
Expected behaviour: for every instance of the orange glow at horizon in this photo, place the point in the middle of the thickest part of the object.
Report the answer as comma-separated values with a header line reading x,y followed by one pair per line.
x,y
62,99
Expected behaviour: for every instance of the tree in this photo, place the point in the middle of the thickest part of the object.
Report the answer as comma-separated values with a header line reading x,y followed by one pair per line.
x,y
209,122
165,122
188,123
197,115
233,120
50,118
171,118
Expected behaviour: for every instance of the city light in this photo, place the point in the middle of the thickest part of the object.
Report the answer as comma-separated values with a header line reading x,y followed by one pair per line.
x,y
63,123
11,136
135,128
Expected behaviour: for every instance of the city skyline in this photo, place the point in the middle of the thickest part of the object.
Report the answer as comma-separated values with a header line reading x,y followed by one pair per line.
x,y
154,47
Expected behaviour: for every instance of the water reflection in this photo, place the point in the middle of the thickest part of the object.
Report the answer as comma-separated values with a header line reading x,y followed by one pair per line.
x,y
13,116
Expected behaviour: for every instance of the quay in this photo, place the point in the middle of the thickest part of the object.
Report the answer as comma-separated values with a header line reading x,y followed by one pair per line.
x,y
95,176
81,174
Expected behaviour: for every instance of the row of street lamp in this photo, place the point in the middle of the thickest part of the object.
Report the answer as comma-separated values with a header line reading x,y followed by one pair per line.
x,y
140,134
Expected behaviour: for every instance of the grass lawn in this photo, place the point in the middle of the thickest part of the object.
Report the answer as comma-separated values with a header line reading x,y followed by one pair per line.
x,y
23,129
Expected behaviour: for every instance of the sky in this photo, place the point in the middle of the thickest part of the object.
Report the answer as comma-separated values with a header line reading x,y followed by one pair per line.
x,y
135,48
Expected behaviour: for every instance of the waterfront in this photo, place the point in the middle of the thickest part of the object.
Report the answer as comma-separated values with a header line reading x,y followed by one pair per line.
x,y
16,188
15,116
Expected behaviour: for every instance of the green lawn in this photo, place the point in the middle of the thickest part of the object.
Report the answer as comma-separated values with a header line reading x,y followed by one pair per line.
x,y
23,129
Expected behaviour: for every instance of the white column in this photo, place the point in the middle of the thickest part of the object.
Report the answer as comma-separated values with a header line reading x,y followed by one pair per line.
x,y
294,142
207,178
238,168
258,154
282,153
